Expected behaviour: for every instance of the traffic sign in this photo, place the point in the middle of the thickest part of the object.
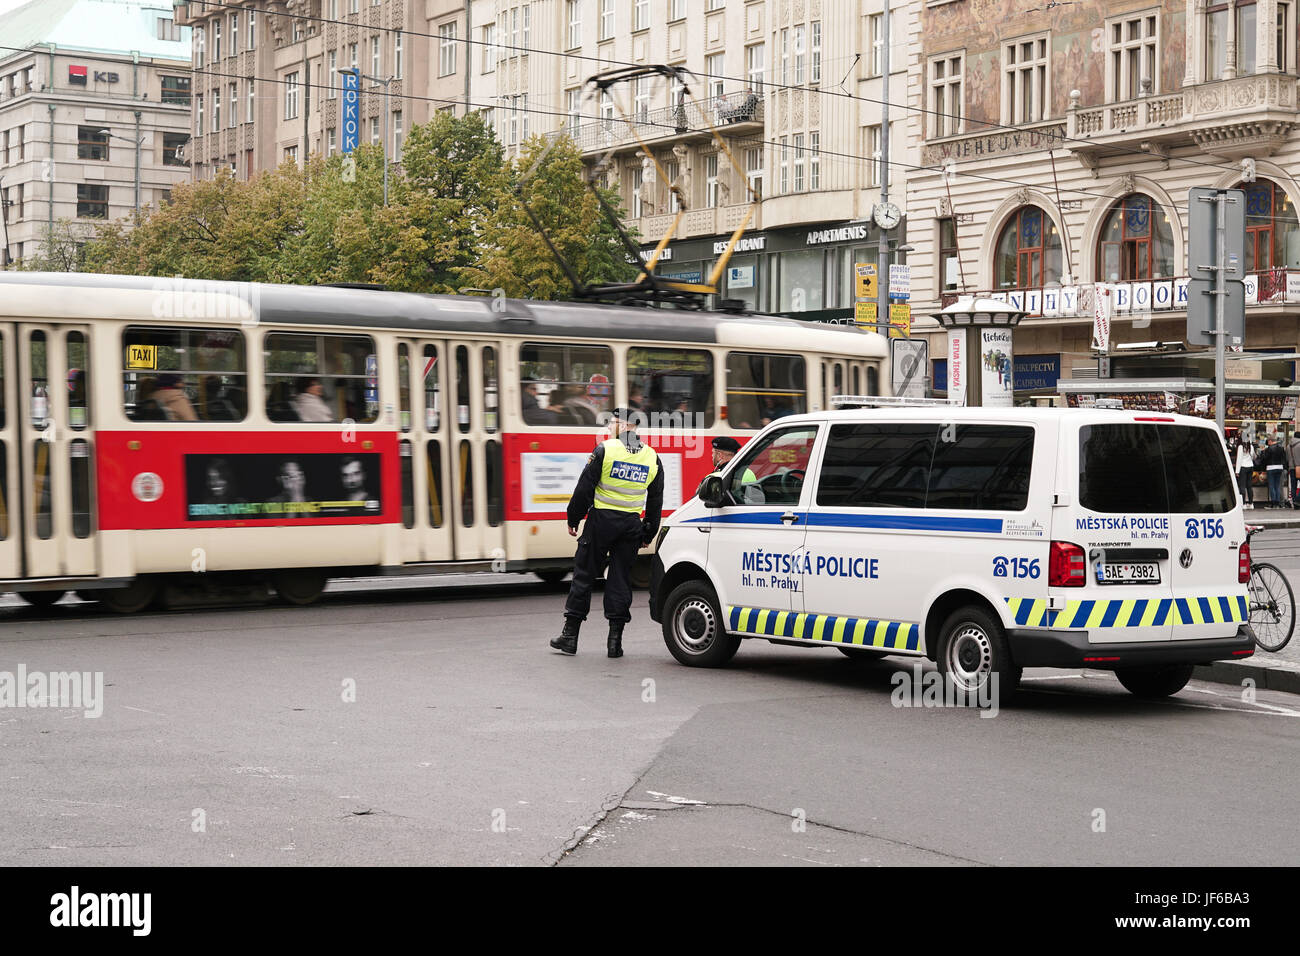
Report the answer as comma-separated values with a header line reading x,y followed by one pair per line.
x,y
1201,312
1202,233
900,281
900,321
864,313
866,280
908,365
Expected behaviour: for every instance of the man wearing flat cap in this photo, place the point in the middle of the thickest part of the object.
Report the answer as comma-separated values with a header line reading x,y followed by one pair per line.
x,y
726,448
623,479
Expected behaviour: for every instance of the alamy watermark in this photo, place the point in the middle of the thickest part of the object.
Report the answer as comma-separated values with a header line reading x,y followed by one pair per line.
x,y
61,690
921,688
215,300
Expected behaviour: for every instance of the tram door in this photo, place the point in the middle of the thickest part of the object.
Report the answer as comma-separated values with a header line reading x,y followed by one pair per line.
x,y
477,466
47,453
423,450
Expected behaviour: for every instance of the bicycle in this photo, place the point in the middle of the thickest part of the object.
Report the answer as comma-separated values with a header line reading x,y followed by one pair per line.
x,y
1272,602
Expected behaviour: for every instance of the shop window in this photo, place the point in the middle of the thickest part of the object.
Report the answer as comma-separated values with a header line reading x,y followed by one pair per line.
x,y
566,384
762,387
672,387
321,378
184,375
1028,251
1136,241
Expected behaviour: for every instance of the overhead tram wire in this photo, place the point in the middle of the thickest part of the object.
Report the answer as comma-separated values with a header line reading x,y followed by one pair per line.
x,y
520,50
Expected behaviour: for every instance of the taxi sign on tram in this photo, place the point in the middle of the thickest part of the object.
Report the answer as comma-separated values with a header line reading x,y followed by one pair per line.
x,y
142,356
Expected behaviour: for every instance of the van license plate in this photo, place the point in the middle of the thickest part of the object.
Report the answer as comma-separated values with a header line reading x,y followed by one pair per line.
x,y
1136,573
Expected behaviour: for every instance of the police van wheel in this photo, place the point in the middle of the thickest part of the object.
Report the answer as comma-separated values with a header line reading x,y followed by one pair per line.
x,y
972,649
1155,682
693,627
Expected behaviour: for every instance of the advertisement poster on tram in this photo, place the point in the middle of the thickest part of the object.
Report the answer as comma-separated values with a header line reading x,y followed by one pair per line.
x,y
548,480
270,487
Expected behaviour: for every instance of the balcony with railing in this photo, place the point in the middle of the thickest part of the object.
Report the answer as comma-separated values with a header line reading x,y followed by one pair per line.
x,y
730,114
1269,288
704,221
1245,116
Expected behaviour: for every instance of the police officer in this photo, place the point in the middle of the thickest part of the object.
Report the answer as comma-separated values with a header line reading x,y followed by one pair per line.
x,y
623,478
726,448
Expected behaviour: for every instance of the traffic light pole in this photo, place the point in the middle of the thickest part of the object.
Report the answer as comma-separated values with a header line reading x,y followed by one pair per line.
x,y
882,253
1220,307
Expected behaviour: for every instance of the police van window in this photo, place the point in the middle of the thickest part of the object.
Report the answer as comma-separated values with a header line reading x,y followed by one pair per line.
x,y
321,378
876,466
1146,468
981,467
184,375
773,469
762,388
565,384
672,387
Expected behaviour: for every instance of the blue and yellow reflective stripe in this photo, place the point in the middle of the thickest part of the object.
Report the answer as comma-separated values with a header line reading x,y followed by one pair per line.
x,y
825,628
1088,614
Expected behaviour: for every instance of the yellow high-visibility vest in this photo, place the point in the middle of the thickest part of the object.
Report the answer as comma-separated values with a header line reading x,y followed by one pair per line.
x,y
625,477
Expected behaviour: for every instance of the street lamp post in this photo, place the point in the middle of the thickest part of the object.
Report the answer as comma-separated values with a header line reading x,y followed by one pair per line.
x,y
384,82
138,141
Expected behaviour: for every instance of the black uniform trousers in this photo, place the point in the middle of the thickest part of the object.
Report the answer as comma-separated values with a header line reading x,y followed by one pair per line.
x,y
608,537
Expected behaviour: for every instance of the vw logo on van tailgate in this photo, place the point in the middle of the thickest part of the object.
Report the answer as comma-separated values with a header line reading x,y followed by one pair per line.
x,y
1185,559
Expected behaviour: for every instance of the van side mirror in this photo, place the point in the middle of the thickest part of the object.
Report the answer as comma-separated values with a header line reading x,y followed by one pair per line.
x,y
712,492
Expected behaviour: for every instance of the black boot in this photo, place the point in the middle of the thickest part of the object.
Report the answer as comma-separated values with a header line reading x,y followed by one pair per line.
x,y
568,639
614,645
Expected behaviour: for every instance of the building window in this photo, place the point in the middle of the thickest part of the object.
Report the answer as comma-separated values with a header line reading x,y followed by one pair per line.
x,y
785,56
354,6
199,41
1246,37
676,10
92,143
754,170
1136,241
784,165
252,29
573,17
816,28
1028,251
1216,41
173,148
234,34
397,56
875,44
216,109
198,114
331,141
397,135
1133,57
249,115
234,104
711,180
352,55
606,19
376,66
92,201
528,28
717,4
754,67
640,15
167,29
641,99
800,54
1283,38
798,162
715,67
815,160
1272,229
573,107
949,267
291,154
333,59
446,49
489,48
671,171
872,152
291,96
1024,80
523,118
216,40
176,89
946,95
374,130
638,180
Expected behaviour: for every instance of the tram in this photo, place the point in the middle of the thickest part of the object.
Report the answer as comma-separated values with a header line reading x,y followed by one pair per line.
x,y
159,432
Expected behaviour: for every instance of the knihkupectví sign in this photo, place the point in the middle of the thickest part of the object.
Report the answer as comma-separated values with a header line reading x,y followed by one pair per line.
x,y
351,120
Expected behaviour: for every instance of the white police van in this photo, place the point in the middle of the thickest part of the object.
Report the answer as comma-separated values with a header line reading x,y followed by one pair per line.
x,y
988,540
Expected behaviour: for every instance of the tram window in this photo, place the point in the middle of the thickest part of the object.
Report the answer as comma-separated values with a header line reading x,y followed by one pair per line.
x,y
41,490
462,388
184,375
466,484
489,389
4,491
321,378
433,465
495,495
837,379
873,380
404,386
79,467
672,387
408,485
41,410
78,390
432,408
762,388
566,384
3,390
856,387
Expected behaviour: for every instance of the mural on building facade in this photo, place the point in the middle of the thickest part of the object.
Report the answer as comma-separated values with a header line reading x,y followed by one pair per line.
x,y
1078,48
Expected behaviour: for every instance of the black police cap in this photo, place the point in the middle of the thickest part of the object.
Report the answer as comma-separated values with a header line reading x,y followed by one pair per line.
x,y
726,443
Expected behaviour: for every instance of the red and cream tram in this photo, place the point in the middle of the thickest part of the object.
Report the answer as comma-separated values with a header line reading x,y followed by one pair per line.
x,y
208,434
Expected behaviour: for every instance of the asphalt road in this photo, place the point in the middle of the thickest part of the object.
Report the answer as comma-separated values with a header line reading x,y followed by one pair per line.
x,y
226,738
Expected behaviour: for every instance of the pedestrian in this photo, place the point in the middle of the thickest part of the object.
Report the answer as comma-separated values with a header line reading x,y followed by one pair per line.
x,y
1274,462
622,479
1245,467
1293,467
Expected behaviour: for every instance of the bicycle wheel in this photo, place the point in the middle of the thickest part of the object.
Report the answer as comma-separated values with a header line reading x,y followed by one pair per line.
x,y
1272,607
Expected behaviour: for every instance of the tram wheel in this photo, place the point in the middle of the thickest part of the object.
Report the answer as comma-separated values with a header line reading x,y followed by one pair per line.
x,y
41,598
552,577
300,587
135,597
